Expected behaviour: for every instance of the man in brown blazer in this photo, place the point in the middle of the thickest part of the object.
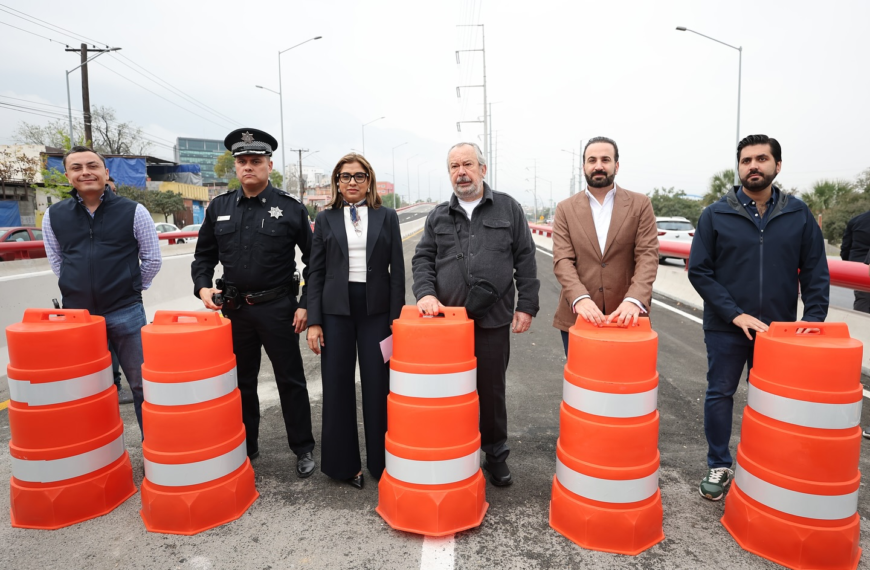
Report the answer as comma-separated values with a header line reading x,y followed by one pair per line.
x,y
605,247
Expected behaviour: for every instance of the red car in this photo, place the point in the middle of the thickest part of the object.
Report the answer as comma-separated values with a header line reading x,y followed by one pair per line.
x,y
9,237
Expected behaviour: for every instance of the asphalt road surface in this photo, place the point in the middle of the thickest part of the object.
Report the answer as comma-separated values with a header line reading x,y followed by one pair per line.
x,y
320,523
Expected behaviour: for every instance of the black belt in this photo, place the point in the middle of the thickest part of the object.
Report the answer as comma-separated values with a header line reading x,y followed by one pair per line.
x,y
257,297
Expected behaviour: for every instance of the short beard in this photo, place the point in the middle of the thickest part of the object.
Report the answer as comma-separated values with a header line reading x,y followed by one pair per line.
x,y
472,191
608,180
766,180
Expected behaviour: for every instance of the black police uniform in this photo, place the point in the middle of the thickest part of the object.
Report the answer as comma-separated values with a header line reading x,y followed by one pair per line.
x,y
255,240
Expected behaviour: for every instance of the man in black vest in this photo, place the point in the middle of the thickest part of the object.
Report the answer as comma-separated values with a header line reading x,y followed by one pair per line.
x,y
95,241
253,232
855,247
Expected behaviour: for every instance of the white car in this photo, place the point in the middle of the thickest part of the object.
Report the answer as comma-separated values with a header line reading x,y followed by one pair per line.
x,y
163,228
674,229
191,228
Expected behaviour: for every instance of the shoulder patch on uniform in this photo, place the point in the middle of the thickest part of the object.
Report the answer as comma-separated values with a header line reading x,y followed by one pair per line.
x,y
288,195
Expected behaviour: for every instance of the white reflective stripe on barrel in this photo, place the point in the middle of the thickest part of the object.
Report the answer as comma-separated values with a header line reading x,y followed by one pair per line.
x,y
819,507
62,391
53,470
433,472
610,405
803,413
193,392
183,474
433,385
607,490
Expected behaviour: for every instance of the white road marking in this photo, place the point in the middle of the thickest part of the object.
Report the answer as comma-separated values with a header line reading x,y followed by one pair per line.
x,y
544,251
437,553
866,394
667,307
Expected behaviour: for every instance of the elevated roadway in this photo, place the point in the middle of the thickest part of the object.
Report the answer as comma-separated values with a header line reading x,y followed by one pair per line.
x,y
320,523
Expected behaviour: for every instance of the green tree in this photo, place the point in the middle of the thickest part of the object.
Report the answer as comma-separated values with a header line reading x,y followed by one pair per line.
x,y
54,183
166,203
276,179
825,194
848,206
312,211
144,197
225,165
720,184
670,202
862,182
234,184
392,201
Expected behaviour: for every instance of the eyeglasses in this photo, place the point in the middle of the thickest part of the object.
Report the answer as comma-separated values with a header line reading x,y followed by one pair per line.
x,y
360,177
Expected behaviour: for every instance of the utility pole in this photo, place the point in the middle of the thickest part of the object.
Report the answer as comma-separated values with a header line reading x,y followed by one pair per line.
x,y
301,180
486,133
86,92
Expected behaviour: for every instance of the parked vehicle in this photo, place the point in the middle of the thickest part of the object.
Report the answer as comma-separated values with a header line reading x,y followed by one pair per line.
x,y
674,228
191,228
20,234
163,228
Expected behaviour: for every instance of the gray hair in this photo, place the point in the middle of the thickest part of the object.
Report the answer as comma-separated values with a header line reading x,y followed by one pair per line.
x,y
480,158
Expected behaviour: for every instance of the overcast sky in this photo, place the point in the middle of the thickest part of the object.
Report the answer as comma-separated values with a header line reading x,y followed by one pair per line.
x,y
557,73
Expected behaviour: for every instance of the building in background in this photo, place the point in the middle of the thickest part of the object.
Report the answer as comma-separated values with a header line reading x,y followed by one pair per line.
x,y
195,201
385,188
205,153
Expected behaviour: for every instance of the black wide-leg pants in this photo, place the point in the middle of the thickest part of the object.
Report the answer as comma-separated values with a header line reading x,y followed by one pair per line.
x,y
492,347
270,326
345,338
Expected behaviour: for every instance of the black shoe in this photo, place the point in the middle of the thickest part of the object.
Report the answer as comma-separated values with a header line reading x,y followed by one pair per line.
x,y
125,396
499,473
305,465
254,454
357,481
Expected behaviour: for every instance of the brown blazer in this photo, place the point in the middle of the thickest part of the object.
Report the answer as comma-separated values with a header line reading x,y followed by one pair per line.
x,y
628,265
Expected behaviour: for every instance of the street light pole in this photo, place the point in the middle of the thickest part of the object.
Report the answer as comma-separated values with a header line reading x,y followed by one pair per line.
x,y
418,178
69,100
364,133
739,85
281,107
408,171
395,186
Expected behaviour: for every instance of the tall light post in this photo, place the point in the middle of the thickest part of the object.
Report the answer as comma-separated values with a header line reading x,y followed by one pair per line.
x,y
408,171
68,100
364,133
418,177
281,107
579,166
396,186
430,182
739,82
535,187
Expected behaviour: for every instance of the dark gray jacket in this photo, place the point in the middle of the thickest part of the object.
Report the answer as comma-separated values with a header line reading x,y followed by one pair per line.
x,y
498,247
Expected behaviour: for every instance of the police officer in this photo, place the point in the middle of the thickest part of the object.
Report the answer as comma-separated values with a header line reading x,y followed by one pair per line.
x,y
253,232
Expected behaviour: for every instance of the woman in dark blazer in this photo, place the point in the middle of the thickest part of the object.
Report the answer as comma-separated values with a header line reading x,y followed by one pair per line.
x,y
356,288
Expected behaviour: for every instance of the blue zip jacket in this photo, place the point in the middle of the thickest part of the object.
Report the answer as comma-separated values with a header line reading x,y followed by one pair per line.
x,y
738,268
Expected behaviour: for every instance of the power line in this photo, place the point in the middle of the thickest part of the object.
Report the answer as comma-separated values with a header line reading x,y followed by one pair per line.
x,y
161,96
19,109
172,88
75,36
33,33
38,103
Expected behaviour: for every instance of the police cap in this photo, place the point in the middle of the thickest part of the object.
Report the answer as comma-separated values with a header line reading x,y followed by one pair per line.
x,y
250,141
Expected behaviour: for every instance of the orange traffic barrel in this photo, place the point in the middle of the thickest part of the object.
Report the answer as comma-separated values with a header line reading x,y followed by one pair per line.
x,y
432,483
197,472
605,492
69,463
794,499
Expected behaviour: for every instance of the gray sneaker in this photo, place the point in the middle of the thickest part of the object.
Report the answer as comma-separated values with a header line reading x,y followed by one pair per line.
x,y
714,484
125,396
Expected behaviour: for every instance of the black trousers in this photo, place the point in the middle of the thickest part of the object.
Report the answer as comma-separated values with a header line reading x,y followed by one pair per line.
x,y
862,302
492,347
344,338
270,326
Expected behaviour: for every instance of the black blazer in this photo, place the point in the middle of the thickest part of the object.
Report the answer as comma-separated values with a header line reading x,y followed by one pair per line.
x,y
330,265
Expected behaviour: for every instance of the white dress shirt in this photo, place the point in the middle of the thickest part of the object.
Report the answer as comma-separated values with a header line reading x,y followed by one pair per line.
x,y
356,244
602,214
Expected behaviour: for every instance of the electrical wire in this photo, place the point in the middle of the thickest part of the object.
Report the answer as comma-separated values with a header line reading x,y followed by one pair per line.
x,y
33,33
75,36
161,96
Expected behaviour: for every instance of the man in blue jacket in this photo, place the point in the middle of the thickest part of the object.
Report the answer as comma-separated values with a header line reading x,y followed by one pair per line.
x,y
753,251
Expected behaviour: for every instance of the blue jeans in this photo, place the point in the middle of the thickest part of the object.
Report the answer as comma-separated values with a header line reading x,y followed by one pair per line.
x,y
124,329
727,353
